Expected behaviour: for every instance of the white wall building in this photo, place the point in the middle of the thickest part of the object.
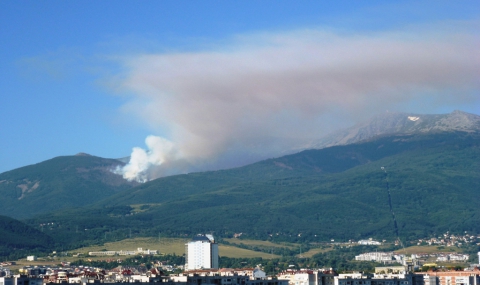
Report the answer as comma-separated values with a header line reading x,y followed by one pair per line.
x,y
308,277
201,253
384,257
376,256
369,242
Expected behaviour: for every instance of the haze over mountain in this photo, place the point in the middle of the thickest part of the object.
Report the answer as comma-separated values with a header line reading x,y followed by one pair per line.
x,y
162,157
402,123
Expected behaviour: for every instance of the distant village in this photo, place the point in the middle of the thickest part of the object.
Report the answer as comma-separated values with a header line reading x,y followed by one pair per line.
x,y
445,240
202,268
448,239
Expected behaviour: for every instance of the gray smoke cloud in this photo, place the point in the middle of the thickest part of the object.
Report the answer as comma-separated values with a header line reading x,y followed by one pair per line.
x,y
265,94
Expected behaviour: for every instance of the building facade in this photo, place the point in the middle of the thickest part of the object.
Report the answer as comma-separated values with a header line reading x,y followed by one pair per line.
x,y
466,277
201,253
375,279
308,277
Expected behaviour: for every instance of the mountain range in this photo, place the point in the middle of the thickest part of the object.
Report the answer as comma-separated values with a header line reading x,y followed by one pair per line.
x,y
401,123
428,164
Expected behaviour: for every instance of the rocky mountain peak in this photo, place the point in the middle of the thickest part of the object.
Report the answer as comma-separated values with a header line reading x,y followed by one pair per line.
x,y
402,123
460,121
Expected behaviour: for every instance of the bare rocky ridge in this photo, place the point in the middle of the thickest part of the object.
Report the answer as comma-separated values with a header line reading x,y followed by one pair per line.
x,y
402,123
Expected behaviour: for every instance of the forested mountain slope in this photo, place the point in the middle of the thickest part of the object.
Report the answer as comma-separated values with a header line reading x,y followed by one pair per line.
x,y
18,239
338,192
59,183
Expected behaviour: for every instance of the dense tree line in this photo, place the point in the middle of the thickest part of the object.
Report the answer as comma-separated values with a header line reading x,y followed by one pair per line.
x,y
147,261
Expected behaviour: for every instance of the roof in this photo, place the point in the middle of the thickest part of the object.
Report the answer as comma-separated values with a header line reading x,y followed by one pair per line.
x,y
200,238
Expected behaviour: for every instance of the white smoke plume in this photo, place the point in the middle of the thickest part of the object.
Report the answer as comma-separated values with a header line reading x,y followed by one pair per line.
x,y
261,95
159,151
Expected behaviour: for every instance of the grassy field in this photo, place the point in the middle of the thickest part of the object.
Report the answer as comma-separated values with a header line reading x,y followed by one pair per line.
x,y
314,251
177,246
259,243
232,251
428,249
169,246
23,262
163,245
268,244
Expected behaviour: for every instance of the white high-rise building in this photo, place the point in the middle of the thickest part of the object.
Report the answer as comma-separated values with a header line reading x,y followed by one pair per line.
x,y
201,253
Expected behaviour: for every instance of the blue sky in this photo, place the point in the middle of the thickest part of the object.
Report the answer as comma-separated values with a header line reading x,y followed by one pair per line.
x,y
100,76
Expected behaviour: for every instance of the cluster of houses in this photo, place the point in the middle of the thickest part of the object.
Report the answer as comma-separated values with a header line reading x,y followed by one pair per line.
x,y
120,275
201,268
448,239
396,275
391,257
445,257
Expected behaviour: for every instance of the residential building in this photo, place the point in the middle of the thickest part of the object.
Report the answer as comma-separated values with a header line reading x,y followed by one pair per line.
x,y
375,279
308,277
385,257
466,277
201,253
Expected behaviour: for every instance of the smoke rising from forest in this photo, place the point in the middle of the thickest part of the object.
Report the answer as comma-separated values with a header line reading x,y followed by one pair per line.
x,y
263,95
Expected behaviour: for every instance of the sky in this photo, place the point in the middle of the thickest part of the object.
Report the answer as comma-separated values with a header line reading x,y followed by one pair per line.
x,y
194,85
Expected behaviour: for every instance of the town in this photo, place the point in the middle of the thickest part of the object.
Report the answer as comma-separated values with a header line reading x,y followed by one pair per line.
x,y
202,267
